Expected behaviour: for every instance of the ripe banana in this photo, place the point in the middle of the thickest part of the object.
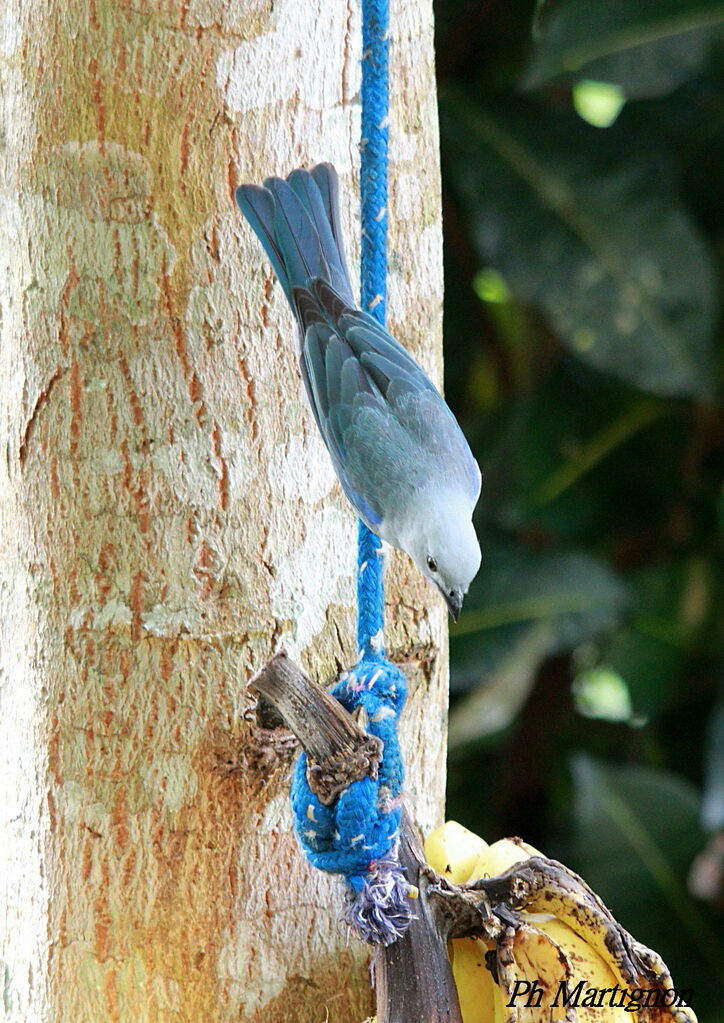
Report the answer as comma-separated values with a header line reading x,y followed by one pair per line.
x,y
477,991
495,859
556,953
453,851
560,892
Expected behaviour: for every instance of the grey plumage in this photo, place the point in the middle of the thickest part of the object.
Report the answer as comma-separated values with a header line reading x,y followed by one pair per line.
x,y
396,447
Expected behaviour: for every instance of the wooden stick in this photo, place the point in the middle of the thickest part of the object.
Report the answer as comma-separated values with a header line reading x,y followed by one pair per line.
x,y
339,750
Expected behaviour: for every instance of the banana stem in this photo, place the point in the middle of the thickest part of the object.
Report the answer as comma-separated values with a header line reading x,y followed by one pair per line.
x,y
413,977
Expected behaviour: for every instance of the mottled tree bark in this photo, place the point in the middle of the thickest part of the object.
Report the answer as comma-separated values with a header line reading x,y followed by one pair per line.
x,y
168,515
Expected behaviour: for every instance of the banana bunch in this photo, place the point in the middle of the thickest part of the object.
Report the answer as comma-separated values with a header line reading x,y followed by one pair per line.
x,y
550,952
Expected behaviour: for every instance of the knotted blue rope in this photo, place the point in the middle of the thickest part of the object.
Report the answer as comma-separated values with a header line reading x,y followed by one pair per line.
x,y
357,836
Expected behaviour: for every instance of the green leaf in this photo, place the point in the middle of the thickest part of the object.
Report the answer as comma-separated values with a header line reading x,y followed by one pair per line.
x,y
591,235
674,603
654,69
636,834
577,34
601,693
524,606
562,462
576,592
651,666
598,102
494,704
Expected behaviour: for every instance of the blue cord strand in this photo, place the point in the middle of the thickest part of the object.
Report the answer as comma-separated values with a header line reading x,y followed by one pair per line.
x,y
373,269
373,145
370,594
358,835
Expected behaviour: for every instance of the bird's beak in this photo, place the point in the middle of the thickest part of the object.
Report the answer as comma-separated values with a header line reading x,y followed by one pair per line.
x,y
454,601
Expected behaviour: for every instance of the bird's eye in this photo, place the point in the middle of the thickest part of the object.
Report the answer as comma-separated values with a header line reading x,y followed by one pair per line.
x,y
431,564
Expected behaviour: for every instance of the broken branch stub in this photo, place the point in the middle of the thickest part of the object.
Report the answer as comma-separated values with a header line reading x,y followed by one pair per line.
x,y
338,749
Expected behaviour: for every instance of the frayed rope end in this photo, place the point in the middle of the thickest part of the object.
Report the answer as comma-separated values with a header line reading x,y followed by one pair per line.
x,y
378,903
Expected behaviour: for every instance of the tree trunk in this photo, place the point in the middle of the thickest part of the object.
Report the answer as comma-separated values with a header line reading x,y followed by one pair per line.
x,y
169,515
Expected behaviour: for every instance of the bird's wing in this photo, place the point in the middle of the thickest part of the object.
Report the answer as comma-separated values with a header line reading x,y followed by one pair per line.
x,y
427,418
337,389
387,428
366,337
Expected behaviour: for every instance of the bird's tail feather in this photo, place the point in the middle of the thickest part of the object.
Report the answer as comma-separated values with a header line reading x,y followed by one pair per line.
x,y
257,205
297,221
328,184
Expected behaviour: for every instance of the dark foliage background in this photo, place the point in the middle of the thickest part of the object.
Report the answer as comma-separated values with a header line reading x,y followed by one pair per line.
x,y
583,357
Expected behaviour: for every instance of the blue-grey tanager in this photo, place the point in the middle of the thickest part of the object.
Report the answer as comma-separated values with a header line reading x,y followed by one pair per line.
x,y
396,447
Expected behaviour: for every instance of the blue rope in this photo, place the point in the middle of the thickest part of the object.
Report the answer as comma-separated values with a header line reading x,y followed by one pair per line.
x,y
373,145
358,835
373,280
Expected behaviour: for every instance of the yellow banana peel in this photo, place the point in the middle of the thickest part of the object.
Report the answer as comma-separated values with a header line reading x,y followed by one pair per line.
x,y
553,953
454,851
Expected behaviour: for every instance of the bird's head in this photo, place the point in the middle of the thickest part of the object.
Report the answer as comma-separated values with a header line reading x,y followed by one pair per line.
x,y
445,548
